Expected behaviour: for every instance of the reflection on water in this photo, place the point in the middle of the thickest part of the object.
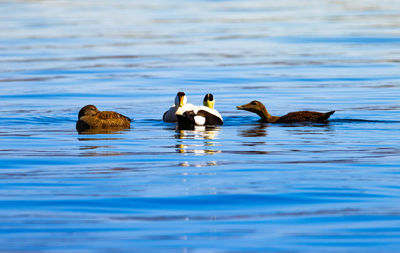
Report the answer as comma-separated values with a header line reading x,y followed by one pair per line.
x,y
103,136
209,145
94,147
104,154
259,130
198,132
198,164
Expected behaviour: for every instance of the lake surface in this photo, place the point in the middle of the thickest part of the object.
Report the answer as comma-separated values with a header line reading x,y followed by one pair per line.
x,y
241,187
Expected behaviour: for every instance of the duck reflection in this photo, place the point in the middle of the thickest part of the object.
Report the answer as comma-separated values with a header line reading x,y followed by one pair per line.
x,y
204,164
96,136
187,140
103,153
258,130
198,133
309,128
99,132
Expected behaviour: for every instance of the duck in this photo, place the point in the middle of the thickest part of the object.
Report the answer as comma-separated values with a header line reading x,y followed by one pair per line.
x,y
89,117
300,116
203,115
179,107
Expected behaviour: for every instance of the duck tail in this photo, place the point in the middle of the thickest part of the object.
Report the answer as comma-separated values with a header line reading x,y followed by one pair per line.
x,y
327,115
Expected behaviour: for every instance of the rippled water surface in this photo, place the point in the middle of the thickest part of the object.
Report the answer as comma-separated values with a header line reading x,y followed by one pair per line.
x,y
241,187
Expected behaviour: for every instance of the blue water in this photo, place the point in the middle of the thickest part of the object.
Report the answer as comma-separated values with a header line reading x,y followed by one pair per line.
x,y
241,187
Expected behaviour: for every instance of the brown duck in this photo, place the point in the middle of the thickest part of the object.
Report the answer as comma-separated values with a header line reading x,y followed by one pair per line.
x,y
301,116
90,117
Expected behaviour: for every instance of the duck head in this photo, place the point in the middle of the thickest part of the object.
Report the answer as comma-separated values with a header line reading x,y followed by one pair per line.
x,y
88,110
254,106
209,100
180,99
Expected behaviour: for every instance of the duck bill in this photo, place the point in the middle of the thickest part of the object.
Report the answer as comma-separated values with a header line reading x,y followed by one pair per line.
x,y
242,107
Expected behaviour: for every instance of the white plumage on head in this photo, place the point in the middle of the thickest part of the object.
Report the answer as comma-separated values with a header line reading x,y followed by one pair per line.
x,y
178,108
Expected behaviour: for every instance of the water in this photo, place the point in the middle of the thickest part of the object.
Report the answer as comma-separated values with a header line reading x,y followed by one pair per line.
x,y
241,187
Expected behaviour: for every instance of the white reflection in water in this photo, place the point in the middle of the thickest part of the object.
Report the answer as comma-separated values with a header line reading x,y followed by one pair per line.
x,y
209,145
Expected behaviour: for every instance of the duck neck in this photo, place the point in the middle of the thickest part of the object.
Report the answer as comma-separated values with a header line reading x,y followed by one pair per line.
x,y
266,117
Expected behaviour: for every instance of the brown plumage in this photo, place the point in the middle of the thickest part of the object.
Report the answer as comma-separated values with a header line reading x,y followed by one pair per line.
x,y
258,108
90,117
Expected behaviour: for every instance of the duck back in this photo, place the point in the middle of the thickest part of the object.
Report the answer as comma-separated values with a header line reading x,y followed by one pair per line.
x,y
305,116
